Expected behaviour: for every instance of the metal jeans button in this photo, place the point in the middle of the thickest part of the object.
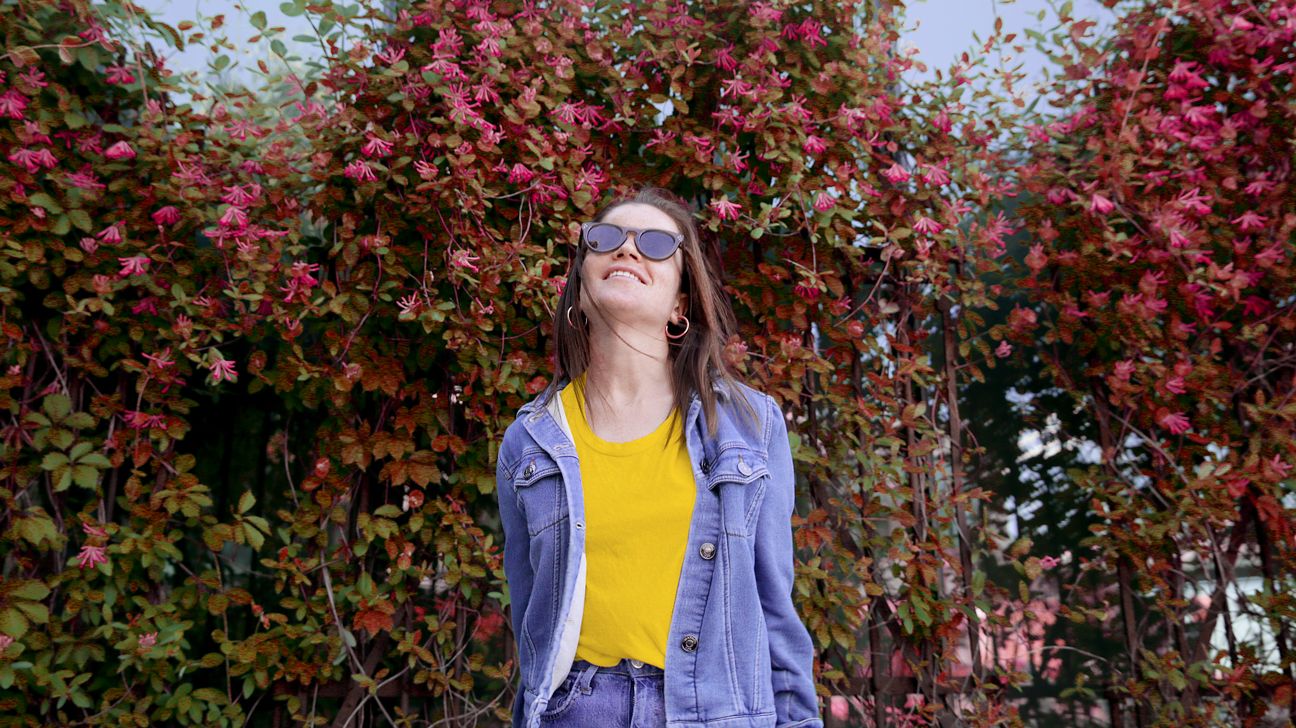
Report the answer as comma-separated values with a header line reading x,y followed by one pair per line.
x,y
637,663
689,643
707,551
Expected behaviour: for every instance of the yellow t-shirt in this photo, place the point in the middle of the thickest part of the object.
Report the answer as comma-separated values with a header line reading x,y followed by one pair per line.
x,y
638,507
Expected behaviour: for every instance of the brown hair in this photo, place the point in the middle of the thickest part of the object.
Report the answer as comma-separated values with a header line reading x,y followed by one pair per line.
x,y
697,359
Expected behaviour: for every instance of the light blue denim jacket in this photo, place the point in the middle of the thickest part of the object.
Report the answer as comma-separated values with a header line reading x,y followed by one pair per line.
x,y
737,654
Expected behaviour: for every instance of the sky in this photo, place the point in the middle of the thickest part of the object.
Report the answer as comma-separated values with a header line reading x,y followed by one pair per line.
x,y
940,29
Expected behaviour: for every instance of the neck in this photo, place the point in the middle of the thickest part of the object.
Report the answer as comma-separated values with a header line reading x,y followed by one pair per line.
x,y
627,372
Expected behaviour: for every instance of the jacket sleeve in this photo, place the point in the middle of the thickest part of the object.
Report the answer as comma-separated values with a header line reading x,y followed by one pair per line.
x,y
517,562
790,646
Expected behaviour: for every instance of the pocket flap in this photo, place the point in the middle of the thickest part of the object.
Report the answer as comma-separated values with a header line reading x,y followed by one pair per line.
x,y
740,465
532,467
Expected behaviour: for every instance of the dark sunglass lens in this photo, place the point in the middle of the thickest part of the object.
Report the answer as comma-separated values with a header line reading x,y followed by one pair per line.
x,y
604,237
656,244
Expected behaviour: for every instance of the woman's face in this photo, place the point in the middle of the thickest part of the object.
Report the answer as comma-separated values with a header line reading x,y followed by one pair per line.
x,y
652,296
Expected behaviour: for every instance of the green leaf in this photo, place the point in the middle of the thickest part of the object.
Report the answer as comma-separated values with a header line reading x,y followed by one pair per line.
x,y
85,476
279,48
97,460
259,20
246,501
291,10
221,62
32,591
42,199
35,611
13,623
80,219
57,406
254,537
54,461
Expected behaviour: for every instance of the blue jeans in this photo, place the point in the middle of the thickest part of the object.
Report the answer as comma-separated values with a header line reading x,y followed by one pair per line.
x,y
624,695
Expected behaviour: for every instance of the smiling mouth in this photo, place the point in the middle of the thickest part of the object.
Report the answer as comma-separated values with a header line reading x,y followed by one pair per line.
x,y
627,276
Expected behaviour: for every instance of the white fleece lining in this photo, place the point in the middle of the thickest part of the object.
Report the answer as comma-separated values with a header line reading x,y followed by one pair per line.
x,y
569,633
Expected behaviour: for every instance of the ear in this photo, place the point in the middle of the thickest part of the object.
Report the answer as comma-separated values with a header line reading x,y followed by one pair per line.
x,y
681,305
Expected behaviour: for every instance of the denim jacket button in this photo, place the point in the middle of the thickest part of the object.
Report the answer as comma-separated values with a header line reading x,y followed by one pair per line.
x,y
743,467
706,468
689,643
530,468
707,551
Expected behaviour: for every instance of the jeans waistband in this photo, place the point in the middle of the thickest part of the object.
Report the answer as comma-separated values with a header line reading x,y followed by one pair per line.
x,y
624,667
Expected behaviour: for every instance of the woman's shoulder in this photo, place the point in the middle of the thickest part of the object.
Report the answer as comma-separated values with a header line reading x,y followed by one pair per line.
x,y
745,411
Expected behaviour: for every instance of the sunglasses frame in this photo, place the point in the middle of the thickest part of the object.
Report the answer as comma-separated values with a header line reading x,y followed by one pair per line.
x,y
625,235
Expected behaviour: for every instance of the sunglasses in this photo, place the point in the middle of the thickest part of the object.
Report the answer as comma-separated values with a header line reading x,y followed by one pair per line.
x,y
604,237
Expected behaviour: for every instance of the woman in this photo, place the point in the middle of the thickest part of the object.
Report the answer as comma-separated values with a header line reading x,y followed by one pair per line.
x,y
646,497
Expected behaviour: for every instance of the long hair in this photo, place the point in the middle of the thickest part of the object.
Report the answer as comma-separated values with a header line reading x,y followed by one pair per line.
x,y
697,359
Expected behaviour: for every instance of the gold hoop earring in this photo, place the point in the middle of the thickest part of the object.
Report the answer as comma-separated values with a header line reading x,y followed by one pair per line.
x,y
569,321
680,334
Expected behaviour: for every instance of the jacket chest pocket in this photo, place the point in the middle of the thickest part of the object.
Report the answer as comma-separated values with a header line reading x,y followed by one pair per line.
x,y
541,497
738,476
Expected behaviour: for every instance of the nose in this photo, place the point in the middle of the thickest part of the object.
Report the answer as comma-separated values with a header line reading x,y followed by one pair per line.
x,y
630,245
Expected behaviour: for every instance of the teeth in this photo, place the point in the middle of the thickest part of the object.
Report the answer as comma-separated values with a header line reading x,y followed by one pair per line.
x,y
624,274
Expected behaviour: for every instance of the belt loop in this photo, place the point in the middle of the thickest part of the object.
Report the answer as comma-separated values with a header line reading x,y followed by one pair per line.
x,y
586,677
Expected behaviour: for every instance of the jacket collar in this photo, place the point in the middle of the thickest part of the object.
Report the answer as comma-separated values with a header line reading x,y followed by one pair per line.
x,y
545,429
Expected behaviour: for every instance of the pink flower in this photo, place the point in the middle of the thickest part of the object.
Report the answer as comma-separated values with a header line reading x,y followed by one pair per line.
x,y
927,226
520,174
1175,422
168,215
1249,221
425,170
724,58
242,195
725,209
1003,350
360,171
1176,385
5,641
91,556
233,217
409,305
1101,205
147,640
134,265
376,147
85,179
162,360
1124,369
1237,487
462,259
222,370
13,105
110,235
33,160
1048,562
824,202
814,145
936,176
94,530
809,293
120,75
120,150
895,174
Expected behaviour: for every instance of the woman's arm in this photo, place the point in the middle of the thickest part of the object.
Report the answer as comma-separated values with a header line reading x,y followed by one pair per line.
x,y
517,561
791,649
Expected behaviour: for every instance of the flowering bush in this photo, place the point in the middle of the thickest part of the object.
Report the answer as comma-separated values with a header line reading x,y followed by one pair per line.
x,y
259,353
